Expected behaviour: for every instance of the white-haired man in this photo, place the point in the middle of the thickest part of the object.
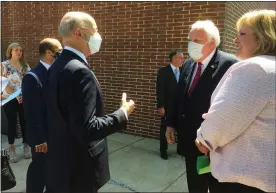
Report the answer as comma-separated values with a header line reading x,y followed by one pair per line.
x,y
77,157
200,76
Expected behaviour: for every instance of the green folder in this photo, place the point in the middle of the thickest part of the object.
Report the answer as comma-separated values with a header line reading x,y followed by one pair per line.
x,y
203,165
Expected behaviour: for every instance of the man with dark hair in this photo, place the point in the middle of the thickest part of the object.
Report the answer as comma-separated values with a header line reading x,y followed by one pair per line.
x,y
35,113
167,79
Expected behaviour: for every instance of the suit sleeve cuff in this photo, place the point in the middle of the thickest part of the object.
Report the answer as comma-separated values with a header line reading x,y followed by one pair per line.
x,y
124,112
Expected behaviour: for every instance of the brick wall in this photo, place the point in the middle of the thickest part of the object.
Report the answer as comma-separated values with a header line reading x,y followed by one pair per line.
x,y
233,11
137,38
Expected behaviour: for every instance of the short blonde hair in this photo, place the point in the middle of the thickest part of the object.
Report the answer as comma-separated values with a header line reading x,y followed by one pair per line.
x,y
22,60
73,20
210,29
263,23
48,44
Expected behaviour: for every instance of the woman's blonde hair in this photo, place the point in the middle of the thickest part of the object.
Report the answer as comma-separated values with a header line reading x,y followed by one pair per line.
x,y
263,23
22,60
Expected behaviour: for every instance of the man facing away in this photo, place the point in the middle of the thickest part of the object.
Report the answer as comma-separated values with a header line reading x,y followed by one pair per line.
x,y
35,114
77,157
167,79
199,77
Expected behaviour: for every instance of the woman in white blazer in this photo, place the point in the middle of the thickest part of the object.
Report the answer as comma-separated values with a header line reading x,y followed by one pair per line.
x,y
239,128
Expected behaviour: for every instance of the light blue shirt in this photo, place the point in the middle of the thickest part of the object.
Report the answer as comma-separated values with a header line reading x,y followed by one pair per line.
x,y
174,70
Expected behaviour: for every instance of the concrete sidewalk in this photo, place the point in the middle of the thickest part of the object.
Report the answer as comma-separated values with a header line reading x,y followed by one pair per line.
x,y
135,166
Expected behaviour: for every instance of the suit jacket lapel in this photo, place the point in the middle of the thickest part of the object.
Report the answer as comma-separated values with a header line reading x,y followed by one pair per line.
x,y
208,72
75,56
186,74
212,66
171,73
95,78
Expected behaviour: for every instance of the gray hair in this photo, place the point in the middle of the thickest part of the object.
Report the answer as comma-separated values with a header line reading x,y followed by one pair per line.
x,y
210,29
72,20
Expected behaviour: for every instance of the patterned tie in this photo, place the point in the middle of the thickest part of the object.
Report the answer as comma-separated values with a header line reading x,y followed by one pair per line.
x,y
196,78
176,74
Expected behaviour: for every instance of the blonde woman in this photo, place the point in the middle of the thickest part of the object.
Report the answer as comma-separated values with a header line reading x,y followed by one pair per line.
x,y
239,128
14,68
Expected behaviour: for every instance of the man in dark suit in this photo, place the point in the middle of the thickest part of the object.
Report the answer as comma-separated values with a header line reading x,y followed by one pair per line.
x,y
166,83
77,156
35,114
199,77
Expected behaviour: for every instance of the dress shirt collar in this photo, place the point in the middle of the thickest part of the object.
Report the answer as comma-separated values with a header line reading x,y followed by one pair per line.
x,y
173,67
47,66
206,61
80,54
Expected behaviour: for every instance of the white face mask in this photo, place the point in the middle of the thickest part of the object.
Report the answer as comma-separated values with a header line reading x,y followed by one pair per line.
x,y
195,50
94,43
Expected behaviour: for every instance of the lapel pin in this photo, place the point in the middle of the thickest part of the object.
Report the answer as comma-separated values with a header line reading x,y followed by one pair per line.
x,y
212,66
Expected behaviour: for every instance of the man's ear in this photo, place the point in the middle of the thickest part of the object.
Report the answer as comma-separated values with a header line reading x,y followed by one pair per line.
x,y
213,43
48,52
77,32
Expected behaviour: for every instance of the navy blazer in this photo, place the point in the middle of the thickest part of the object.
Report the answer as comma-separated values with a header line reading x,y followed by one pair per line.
x,y
77,158
34,106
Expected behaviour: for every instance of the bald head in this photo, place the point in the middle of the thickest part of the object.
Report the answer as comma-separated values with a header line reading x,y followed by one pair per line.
x,y
73,20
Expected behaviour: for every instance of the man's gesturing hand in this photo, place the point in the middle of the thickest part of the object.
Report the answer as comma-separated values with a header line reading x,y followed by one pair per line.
x,y
128,106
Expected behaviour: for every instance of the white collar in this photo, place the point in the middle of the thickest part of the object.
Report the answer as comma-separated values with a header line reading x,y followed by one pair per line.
x,y
47,66
173,67
80,54
206,61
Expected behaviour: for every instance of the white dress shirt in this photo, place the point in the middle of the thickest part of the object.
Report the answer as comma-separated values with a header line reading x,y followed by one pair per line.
x,y
47,66
81,55
205,63
239,128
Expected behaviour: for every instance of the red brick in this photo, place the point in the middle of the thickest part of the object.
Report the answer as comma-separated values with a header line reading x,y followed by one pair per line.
x,y
137,38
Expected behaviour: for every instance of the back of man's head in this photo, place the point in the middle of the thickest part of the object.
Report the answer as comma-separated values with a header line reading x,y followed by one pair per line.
x,y
50,44
73,20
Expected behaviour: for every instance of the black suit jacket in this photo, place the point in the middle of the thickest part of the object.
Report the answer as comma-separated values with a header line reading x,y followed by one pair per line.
x,y
186,114
78,154
166,85
34,106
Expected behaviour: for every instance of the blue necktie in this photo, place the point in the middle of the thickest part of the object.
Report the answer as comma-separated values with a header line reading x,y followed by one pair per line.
x,y
176,74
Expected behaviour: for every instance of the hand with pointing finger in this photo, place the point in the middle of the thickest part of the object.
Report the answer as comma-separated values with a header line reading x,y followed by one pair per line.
x,y
128,106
